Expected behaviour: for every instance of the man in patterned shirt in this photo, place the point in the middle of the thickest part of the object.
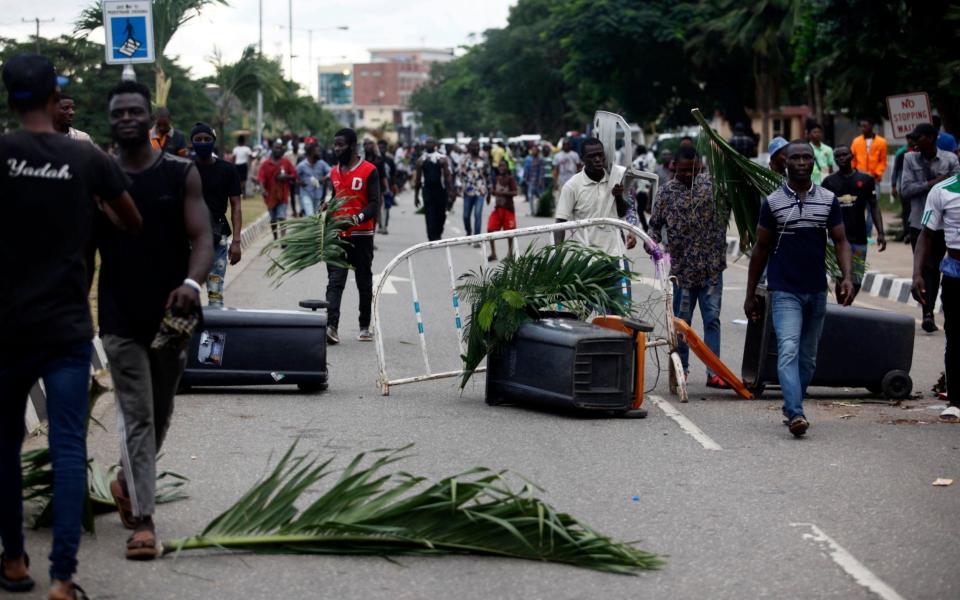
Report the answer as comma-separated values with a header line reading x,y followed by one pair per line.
x,y
696,241
473,172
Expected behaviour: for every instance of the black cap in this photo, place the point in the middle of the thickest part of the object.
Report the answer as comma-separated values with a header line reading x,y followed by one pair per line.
x,y
202,127
30,77
924,129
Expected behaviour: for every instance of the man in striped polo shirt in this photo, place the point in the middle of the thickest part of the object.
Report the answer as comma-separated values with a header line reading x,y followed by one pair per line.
x,y
791,244
942,213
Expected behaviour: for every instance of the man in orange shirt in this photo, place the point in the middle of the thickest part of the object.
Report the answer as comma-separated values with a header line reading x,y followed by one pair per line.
x,y
274,175
164,137
869,151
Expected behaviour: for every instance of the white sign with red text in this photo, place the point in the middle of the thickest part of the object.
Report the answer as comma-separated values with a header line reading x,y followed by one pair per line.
x,y
906,112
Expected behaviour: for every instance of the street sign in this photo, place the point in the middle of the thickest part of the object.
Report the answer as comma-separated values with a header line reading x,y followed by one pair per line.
x,y
129,28
906,112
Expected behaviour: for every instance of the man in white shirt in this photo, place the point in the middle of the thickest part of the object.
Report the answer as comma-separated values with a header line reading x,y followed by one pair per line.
x,y
593,193
63,119
566,163
241,159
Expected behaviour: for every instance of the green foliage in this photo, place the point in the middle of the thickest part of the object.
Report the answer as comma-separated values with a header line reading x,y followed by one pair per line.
x,y
546,204
368,511
583,280
309,241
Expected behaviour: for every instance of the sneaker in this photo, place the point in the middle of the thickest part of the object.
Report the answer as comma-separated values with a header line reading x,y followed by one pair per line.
x,y
714,381
333,338
929,325
950,414
365,335
798,426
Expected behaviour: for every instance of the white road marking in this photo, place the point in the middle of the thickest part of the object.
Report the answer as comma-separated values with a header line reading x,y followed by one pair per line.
x,y
388,287
456,230
685,424
854,568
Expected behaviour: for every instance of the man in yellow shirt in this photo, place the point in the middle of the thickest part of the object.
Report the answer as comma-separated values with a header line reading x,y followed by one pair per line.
x,y
869,151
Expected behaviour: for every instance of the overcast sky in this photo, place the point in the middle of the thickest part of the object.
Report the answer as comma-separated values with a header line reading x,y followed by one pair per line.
x,y
373,24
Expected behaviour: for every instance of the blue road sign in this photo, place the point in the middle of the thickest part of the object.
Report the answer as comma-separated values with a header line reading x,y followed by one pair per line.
x,y
129,37
129,31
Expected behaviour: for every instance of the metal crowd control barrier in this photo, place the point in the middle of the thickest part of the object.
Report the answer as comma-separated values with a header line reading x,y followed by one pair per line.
x,y
667,339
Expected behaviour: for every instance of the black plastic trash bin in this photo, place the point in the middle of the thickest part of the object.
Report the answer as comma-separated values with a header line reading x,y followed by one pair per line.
x,y
259,347
859,347
564,363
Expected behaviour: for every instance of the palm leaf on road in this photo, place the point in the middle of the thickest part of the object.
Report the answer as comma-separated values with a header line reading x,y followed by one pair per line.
x,y
368,511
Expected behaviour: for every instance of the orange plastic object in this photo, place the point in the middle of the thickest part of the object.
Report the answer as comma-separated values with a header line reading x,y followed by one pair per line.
x,y
616,323
710,359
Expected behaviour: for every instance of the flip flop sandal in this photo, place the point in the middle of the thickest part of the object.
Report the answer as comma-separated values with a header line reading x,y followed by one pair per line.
x,y
24,584
142,545
79,593
124,507
951,414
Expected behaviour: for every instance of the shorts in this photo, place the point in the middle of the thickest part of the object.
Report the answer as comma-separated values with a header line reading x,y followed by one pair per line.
x,y
278,213
859,266
502,219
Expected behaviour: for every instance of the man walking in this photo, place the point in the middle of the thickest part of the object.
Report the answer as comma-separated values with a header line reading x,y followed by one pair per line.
x,y
942,216
356,183
434,177
778,158
391,189
533,174
63,119
149,301
743,142
697,243
50,179
823,161
221,186
791,244
922,170
164,137
869,151
566,164
273,175
312,173
476,188
241,159
856,193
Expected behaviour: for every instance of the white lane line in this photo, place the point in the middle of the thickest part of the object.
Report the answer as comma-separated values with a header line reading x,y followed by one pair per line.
x,y
685,424
854,568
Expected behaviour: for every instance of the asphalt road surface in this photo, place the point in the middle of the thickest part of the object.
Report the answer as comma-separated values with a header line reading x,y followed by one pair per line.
x,y
738,508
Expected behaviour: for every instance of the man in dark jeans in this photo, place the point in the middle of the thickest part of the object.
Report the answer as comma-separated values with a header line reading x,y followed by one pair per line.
x,y
356,183
145,281
51,179
433,175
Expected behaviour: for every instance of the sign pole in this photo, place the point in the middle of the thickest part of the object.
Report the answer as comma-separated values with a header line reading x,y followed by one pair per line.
x,y
128,28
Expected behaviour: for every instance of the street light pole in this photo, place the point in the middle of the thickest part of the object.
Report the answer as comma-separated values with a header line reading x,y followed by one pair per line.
x,y
290,31
259,133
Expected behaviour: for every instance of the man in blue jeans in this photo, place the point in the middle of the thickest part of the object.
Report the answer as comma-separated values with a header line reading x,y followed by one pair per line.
x,y
51,179
791,235
474,173
696,240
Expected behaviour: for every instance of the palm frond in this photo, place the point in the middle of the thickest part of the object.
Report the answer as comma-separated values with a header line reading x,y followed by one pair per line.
x,y
740,186
308,241
583,280
368,511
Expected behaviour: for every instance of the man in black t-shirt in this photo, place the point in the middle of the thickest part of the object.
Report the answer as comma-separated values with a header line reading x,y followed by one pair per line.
x,y
149,282
221,184
433,175
856,193
48,180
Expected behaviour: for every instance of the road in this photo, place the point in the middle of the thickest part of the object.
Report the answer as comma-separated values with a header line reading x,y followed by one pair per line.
x,y
849,512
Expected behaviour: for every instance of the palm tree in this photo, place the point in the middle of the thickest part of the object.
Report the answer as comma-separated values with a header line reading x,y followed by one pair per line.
x,y
168,16
238,83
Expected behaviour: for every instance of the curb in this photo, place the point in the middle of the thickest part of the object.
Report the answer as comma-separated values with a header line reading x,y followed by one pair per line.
x,y
877,284
37,400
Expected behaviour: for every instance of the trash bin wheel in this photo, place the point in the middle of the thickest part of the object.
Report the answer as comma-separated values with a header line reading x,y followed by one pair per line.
x,y
757,390
897,385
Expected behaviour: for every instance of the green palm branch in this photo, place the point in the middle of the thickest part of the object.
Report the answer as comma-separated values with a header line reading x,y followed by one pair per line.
x,y
368,511
308,241
37,471
740,186
582,280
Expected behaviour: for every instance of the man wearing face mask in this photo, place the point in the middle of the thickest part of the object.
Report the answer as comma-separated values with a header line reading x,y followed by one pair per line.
x,y
221,185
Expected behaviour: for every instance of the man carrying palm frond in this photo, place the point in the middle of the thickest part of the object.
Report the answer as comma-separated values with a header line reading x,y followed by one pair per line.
x,y
356,182
696,240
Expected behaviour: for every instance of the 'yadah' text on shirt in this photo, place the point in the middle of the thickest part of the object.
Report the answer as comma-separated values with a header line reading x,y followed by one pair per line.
x,y
19,168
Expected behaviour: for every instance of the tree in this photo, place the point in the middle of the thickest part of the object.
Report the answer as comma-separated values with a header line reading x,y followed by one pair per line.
x,y
237,84
168,17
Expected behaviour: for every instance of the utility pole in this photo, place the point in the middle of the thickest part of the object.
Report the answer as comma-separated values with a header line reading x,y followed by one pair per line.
x,y
258,134
38,20
290,31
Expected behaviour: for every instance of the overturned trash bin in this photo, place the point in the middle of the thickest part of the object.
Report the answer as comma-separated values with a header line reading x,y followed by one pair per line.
x,y
561,362
259,347
859,347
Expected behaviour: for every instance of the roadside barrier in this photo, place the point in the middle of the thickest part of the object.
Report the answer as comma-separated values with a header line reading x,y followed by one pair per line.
x,y
651,291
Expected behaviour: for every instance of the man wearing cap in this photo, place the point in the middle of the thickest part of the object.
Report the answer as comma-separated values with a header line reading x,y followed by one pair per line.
x,y
221,185
51,179
63,120
922,170
149,302
778,160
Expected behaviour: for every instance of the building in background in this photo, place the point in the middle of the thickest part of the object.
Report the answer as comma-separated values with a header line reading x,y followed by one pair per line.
x,y
377,94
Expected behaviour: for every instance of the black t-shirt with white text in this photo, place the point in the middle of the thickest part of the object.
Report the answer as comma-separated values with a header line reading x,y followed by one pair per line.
x,y
220,183
853,193
47,184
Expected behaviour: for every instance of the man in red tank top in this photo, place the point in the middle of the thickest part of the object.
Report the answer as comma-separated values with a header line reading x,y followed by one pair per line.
x,y
357,183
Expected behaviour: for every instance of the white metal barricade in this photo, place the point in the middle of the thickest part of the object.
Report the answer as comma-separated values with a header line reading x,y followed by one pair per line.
x,y
667,339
